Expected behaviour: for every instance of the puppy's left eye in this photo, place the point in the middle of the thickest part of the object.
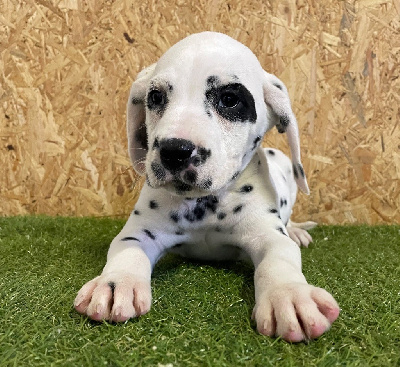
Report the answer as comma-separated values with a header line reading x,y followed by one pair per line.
x,y
228,100
156,98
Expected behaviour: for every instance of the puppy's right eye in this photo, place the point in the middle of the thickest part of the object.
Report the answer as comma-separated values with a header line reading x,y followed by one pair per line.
x,y
228,100
155,98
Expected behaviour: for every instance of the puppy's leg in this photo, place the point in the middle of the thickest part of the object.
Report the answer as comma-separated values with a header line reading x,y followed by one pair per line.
x,y
298,232
123,290
286,305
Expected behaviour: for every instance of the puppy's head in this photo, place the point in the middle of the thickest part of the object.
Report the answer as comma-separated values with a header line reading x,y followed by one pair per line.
x,y
196,117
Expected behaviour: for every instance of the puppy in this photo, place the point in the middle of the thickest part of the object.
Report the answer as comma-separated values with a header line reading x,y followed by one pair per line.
x,y
195,121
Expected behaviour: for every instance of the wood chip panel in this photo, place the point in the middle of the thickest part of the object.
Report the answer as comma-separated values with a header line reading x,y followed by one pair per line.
x,y
66,67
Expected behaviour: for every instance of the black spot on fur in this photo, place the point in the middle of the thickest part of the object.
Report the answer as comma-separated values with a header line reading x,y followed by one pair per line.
x,y
256,141
283,123
283,202
148,181
201,157
206,184
300,170
197,214
130,239
295,173
211,202
278,86
280,229
246,188
135,100
196,160
204,154
158,171
221,215
273,211
190,176
232,101
175,216
237,209
141,135
156,144
136,212
271,152
217,229
153,204
179,233
235,175
203,204
212,81
149,234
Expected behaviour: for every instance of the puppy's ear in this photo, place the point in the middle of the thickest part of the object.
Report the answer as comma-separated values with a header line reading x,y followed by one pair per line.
x,y
277,98
136,120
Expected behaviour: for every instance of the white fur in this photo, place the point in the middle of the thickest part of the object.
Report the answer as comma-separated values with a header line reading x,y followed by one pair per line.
x,y
239,204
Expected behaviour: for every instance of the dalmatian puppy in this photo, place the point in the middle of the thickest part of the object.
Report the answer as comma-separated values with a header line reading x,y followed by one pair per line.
x,y
195,121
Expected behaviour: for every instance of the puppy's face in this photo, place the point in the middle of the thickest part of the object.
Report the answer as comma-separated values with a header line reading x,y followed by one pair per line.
x,y
205,116
195,118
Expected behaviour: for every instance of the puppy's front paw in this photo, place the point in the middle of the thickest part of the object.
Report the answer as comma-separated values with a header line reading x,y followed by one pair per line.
x,y
115,297
295,312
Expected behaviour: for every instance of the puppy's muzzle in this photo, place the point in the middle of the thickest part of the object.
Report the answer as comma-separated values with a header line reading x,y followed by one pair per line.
x,y
175,154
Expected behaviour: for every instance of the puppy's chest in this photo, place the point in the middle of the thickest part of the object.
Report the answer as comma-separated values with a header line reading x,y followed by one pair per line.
x,y
207,213
221,212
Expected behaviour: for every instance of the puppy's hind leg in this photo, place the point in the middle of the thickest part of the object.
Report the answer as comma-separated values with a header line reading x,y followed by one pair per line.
x,y
298,232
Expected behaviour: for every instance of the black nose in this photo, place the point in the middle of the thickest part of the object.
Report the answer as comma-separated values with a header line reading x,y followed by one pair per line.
x,y
175,153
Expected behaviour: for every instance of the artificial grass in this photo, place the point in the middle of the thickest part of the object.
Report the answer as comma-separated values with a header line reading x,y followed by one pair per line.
x,y
201,312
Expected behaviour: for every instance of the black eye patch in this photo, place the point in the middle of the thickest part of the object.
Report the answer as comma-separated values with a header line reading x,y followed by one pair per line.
x,y
232,101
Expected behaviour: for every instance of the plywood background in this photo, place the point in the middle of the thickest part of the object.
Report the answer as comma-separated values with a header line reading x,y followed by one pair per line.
x,y
66,67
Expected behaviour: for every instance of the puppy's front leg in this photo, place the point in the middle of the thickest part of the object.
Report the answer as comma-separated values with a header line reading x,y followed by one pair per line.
x,y
123,290
286,305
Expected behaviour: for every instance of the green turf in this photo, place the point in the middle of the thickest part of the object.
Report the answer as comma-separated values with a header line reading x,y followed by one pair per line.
x,y
201,313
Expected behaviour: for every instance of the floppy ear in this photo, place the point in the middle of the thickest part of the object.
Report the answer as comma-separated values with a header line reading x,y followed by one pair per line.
x,y
276,96
136,120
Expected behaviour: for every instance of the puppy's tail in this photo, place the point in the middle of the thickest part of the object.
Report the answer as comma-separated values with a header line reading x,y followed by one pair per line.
x,y
304,225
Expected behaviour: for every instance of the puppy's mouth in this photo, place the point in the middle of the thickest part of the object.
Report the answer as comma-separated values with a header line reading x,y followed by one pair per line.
x,y
190,183
183,182
180,186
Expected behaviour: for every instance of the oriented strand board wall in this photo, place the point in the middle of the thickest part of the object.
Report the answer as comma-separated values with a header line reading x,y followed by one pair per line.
x,y
66,67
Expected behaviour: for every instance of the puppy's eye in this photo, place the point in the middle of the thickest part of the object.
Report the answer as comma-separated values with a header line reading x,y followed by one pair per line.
x,y
156,98
228,100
